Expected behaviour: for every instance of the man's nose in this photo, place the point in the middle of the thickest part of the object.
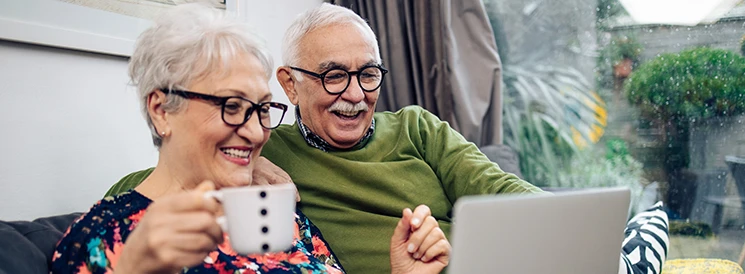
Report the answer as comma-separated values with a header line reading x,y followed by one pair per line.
x,y
354,92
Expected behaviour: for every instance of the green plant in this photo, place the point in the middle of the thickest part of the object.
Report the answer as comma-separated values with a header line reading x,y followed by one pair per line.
x,y
677,88
625,47
693,84
680,87
589,169
550,113
742,45
615,148
697,229
607,9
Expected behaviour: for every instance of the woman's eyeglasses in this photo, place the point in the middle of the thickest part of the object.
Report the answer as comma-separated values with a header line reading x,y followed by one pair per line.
x,y
236,110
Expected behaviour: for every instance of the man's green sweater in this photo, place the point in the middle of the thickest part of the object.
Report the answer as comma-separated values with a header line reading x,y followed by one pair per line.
x,y
356,197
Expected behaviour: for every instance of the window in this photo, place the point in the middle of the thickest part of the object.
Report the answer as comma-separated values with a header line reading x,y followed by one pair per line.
x,y
662,106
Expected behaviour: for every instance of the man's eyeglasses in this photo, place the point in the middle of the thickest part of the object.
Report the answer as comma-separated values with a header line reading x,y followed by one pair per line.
x,y
336,80
237,110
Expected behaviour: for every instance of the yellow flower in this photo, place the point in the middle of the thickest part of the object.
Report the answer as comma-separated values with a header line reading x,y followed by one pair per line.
x,y
597,128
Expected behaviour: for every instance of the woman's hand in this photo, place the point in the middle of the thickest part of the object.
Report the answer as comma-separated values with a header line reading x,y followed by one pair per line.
x,y
418,244
177,231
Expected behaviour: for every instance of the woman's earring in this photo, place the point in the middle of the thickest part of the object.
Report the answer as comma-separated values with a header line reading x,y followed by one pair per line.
x,y
163,134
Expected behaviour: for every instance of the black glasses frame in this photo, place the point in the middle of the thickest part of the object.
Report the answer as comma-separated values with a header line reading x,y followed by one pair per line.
x,y
220,101
322,76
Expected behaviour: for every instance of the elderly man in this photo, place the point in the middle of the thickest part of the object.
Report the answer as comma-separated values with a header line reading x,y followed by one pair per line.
x,y
356,169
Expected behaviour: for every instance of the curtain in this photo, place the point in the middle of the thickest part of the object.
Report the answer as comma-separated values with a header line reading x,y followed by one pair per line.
x,y
442,56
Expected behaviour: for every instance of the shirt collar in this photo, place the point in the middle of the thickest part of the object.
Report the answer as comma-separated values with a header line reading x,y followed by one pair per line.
x,y
317,142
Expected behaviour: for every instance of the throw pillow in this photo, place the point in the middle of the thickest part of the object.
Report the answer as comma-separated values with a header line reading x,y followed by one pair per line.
x,y
646,242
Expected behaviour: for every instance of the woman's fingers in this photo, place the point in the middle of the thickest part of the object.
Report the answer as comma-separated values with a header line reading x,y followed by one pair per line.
x,y
199,193
193,200
189,211
176,259
178,230
193,242
196,222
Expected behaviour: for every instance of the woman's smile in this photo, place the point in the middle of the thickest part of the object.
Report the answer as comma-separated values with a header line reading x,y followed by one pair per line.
x,y
237,155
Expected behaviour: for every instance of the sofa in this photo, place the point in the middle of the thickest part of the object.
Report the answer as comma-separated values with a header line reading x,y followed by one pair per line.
x,y
26,247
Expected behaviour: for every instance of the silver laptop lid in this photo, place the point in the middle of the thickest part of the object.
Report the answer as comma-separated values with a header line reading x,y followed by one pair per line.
x,y
570,232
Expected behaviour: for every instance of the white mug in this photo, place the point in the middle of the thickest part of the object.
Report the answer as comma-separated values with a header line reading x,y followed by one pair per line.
x,y
258,219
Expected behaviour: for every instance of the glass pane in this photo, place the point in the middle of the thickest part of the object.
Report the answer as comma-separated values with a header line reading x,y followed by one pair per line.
x,y
275,117
336,77
594,97
234,110
370,78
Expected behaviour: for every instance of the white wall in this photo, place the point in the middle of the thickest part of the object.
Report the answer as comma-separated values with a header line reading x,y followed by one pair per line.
x,y
271,19
71,125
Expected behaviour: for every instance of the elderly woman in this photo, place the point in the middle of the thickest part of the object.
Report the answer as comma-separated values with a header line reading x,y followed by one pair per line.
x,y
203,82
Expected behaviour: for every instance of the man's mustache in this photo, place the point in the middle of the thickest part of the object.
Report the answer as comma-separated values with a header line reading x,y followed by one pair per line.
x,y
344,106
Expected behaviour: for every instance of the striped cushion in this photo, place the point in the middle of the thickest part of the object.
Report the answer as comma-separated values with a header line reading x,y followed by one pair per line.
x,y
646,242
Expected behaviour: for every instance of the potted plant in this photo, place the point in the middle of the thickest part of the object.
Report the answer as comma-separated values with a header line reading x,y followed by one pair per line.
x,y
625,53
617,59
676,88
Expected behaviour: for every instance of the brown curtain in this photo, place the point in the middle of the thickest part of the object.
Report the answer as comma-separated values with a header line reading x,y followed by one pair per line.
x,y
442,56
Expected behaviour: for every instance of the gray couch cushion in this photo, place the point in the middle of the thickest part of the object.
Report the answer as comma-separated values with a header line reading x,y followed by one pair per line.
x,y
28,246
505,157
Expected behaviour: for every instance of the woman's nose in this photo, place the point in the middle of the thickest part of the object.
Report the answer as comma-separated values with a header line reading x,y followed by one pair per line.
x,y
252,130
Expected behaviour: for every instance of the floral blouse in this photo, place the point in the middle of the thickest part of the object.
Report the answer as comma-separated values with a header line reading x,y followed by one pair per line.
x,y
94,243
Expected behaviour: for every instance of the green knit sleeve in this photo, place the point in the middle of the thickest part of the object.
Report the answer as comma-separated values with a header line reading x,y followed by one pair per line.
x,y
130,181
460,165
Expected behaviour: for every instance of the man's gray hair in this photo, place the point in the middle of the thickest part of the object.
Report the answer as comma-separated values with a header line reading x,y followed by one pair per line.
x,y
186,43
324,15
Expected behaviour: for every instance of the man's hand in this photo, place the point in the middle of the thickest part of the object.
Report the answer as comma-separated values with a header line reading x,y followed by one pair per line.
x,y
418,244
267,173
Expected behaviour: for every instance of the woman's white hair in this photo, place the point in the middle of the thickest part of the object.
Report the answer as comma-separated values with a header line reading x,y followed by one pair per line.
x,y
186,43
324,15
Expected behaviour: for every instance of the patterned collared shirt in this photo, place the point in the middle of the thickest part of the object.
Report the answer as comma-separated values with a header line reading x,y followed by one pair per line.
x,y
317,142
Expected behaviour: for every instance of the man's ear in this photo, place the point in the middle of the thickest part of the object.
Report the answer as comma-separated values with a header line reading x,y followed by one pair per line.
x,y
285,80
155,102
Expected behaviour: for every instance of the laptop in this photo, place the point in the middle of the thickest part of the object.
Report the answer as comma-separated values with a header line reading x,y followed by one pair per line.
x,y
570,232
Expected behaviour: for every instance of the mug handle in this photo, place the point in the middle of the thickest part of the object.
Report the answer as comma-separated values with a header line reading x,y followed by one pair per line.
x,y
222,221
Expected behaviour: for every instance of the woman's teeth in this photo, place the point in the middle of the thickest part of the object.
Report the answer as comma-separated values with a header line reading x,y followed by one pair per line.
x,y
237,153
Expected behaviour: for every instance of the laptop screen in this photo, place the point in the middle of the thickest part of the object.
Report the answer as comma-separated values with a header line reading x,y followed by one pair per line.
x,y
569,232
